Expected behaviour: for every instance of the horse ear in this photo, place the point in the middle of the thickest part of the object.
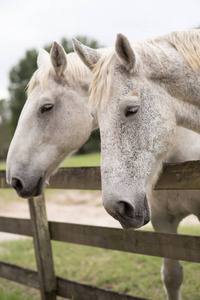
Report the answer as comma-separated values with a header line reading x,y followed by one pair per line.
x,y
88,55
43,57
58,58
125,52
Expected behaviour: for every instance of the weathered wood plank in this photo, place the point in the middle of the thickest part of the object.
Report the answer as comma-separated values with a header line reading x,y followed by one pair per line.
x,y
20,275
66,288
43,251
178,246
77,291
16,226
181,176
172,246
148,243
175,176
88,178
3,183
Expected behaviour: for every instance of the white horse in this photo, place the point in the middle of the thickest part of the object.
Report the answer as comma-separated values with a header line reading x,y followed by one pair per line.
x,y
142,93
56,120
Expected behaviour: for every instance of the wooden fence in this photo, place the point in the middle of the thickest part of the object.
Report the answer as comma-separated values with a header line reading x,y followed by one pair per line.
x,y
182,247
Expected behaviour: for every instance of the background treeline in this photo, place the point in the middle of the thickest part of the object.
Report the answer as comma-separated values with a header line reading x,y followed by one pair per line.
x,y
19,77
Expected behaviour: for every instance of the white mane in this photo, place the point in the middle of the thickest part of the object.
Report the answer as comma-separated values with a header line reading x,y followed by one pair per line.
x,y
187,44
75,68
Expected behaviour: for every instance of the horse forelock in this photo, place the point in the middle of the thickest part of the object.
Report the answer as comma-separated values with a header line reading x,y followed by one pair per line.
x,y
76,70
40,76
101,82
186,43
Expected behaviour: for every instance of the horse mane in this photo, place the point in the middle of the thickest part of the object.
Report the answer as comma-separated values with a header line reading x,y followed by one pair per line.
x,y
187,44
75,68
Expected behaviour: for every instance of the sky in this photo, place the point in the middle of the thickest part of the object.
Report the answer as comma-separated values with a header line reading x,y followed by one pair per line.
x,y
28,24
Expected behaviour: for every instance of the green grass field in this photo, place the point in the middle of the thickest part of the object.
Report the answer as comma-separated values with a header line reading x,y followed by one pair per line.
x,y
138,275
74,161
89,160
2,165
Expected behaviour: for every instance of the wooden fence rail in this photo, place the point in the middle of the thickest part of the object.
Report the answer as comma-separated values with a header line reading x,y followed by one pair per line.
x,y
175,176
182,176
183,247
65,288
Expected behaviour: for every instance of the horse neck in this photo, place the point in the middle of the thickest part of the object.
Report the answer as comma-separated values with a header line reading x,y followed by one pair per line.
x,y
187,115
185,91
182,83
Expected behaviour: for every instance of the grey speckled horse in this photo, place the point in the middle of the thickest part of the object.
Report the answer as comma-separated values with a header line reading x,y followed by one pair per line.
x,y
142,93
56,121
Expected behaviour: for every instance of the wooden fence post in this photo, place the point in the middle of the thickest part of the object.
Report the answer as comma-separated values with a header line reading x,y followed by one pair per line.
x,y
43,251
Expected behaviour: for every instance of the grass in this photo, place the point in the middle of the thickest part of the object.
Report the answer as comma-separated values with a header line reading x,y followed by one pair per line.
x,y
2,165
138,275
82,160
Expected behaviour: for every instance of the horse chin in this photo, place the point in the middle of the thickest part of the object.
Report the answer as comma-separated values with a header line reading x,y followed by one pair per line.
x,y
130,223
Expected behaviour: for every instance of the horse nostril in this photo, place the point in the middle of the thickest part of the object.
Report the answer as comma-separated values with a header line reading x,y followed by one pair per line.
x,y
146,220
17,184
126,209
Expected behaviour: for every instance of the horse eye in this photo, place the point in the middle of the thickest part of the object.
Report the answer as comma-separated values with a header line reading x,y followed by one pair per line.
x,y
131,111
46,107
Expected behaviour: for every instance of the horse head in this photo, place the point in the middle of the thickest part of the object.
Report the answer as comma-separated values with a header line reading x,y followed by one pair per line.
x,y
137,126
50,126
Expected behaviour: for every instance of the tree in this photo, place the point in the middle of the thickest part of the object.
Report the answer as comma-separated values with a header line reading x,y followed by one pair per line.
x,y
19,78
21,73
4,129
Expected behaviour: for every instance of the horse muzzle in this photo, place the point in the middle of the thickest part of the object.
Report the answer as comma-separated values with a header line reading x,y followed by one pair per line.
x,y
129,216
27,189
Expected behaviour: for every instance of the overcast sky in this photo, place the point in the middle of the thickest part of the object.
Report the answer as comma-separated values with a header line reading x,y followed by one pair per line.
x,y
27,24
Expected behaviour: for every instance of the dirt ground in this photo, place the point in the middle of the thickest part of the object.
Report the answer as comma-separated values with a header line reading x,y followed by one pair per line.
x,y
73,206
